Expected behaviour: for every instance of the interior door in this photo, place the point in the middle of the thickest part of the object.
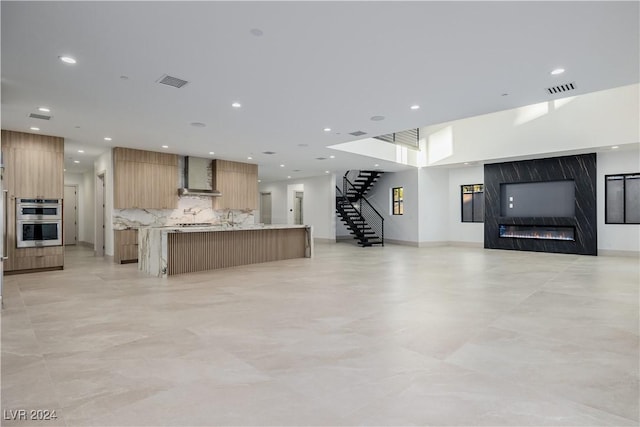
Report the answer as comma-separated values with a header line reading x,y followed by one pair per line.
x,y
265,208
70,215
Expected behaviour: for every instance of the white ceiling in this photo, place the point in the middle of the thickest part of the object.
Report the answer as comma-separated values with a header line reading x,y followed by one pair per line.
x,y
317,65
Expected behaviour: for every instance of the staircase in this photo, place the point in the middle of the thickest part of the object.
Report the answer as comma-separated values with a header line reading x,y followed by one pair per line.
x,y
364,222
362,183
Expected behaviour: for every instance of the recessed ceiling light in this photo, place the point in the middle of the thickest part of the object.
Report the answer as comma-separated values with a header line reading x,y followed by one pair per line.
x,y
332,157
557,71
376,165
34,128
197,124
615,147
80,151
44,109
67,59
211,153
236,105
106,138
256,32
259,180
377,118
415,107
327,129
288,176
466,163
165,146
281,166
249,158
326,171
65,170
76,161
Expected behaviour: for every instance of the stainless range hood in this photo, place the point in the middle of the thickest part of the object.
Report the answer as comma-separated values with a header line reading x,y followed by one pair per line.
x,y
198,176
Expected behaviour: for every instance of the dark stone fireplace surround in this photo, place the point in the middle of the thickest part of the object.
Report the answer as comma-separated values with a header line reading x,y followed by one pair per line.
x,y
580,168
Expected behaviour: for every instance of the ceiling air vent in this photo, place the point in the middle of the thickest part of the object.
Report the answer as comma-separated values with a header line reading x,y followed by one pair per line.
x,y
321,158
357,133
561,88
172,81
39,116
269,152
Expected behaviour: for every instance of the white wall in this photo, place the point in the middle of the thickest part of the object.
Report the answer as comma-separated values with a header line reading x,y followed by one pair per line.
x,y
434,205
616,237
104,164
319,204
86,201
77,179
399,228
468,232
88,225
590,121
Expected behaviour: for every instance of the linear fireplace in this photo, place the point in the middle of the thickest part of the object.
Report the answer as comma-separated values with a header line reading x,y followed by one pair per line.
x,y
542,205
543,232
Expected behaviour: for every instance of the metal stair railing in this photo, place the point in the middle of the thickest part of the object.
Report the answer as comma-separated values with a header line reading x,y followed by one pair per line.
x,y
370,215
359,228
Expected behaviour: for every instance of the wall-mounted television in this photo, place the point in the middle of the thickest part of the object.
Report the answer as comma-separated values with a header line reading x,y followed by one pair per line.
x,y
538,199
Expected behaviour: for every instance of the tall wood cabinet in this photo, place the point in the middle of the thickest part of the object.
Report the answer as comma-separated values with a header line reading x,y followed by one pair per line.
x,y
238,183
34,168
144,179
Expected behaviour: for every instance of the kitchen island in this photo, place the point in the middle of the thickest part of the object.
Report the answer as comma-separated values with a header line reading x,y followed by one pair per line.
x,y
169,250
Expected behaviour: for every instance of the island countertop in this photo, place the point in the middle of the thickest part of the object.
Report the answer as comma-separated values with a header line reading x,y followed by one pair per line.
x,y
173,249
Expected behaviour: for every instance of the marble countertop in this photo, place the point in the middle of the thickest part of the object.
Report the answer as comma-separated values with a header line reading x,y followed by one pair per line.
x,y
220,227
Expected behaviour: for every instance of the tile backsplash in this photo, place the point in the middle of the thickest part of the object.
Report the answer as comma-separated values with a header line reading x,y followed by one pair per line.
x,y
190,209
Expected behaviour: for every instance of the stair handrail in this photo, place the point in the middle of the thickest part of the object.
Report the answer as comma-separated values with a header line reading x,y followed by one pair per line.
x,y
363,198
380,230
344,197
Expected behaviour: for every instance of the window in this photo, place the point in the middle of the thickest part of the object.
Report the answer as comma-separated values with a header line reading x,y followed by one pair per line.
x,y
622,199
398,200
472,198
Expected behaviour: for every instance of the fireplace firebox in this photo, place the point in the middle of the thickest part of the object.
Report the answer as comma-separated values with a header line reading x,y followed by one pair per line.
x,y
542,232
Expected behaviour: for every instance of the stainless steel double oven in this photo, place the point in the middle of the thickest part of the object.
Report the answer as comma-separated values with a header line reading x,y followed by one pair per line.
x,y
38,222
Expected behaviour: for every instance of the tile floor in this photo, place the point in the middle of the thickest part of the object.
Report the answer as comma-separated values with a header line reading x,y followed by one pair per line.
x,y
374,336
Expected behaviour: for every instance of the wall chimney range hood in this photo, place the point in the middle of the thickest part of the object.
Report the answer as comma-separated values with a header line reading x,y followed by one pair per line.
x,y
198,175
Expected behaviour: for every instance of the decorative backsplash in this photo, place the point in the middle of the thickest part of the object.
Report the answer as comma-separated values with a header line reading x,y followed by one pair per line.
x,y
190,209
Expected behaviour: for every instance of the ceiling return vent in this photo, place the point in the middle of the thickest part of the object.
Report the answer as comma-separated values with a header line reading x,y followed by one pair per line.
x,y
561,88
410,138
39,116
172,81
357,133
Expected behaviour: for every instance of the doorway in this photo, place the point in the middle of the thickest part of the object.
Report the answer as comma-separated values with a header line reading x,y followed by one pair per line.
x,y
297,208
265,208
70,215
99,200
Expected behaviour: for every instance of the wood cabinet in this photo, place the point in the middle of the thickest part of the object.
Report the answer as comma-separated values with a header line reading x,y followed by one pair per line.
x,y
34,168
125,246
238,183
144,179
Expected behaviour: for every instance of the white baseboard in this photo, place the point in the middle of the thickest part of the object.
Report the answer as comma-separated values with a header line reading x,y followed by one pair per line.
x,y
401,242
86,244
324,240
611,252
479,245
